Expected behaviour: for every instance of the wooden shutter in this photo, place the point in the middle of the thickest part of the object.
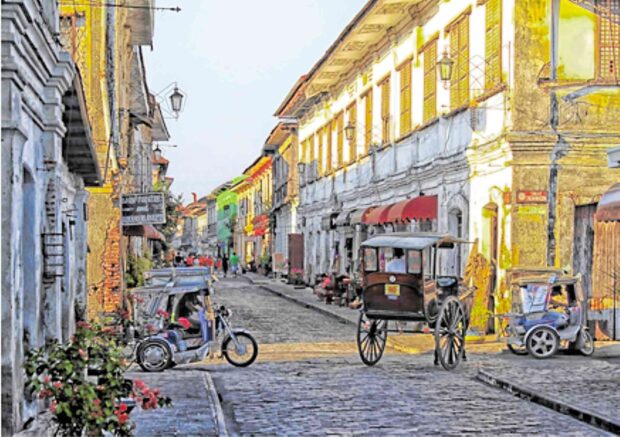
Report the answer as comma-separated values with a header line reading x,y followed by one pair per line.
x,y
459,52
311,142
493,44
385,110
339,140
368,121
328,132
608,40
430,81
352,112
405,98
321,167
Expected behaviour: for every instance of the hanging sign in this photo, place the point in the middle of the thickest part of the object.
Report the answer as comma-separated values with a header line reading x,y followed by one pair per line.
x,y
142,209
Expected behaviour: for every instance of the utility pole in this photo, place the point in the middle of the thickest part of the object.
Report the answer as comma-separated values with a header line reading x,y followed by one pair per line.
x,y
559,149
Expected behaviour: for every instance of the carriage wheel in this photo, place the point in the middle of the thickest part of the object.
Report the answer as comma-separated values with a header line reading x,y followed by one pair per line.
x,y
450,333
371,339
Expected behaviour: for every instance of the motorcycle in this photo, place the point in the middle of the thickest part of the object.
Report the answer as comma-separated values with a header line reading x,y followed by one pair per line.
x,y
182,342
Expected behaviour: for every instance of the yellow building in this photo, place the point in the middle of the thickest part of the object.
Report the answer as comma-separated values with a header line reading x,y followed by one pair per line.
x,y
252,241
513,140
105,43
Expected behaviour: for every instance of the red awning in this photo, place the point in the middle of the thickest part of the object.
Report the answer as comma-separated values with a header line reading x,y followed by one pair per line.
x,y
377,216
147,231
418,208
608,209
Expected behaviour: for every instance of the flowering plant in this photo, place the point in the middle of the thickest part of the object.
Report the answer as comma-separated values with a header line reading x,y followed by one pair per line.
x,y
81,404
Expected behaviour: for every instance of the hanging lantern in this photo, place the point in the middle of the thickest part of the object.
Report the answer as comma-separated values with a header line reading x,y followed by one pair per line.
x,y
176,100
444,65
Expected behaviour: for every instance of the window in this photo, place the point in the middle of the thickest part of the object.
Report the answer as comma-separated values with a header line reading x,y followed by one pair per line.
x,y
328,132
352,119
414,261
405,98
459,52
339,122
367,121
385,110
608,40
493,44
370,259
319,136
430,80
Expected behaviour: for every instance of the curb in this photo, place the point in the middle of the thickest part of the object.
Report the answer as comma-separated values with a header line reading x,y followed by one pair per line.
x,y
218,413
527,393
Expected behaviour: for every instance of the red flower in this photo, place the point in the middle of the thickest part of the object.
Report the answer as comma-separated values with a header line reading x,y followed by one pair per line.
x,y
57,384
47,379
44,393
122,407
139,383
82,353
163,313
122,418
97,402
53,406
83,324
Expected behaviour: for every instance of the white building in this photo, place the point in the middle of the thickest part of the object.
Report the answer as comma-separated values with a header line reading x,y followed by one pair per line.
x,y
48,158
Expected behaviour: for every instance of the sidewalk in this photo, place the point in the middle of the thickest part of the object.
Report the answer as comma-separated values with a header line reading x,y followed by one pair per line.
x,y
407,343
582,387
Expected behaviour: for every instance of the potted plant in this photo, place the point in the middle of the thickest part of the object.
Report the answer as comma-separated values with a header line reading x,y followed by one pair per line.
x,y
297,276
80,404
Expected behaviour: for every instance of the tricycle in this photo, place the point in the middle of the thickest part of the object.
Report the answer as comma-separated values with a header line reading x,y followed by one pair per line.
x,y
407,277
548,311
182,325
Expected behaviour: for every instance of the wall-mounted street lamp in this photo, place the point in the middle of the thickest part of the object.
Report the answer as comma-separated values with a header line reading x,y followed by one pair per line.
x,y
349,131
157,150
444,66
176,100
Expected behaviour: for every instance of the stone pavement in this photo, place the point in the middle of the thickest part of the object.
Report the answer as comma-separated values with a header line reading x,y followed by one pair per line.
x,y
402,395
408,343
195,411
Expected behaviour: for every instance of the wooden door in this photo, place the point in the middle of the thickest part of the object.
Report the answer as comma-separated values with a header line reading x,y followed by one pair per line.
x,y
583,244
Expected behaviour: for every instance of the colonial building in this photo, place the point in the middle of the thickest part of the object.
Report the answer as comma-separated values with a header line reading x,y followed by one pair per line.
x,y
252,235
48,160
226,203
487,119
105,42
282,142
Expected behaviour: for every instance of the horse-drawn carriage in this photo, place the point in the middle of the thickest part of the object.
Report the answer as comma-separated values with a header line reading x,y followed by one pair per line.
x,y
412,277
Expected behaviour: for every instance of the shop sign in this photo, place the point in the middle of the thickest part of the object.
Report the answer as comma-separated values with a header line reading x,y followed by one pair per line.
x,y
142,209
530,196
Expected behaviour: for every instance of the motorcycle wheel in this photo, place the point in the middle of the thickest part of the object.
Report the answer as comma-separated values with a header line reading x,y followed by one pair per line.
x,y
587,343
248,353
154,356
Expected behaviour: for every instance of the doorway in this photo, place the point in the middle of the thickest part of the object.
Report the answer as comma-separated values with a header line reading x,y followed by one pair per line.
x,y
583,244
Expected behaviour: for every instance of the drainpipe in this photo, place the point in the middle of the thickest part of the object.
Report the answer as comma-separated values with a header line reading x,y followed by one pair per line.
x,y
560,147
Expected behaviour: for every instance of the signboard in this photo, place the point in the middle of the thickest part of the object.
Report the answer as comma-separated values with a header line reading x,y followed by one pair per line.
x,y
142,209
528,196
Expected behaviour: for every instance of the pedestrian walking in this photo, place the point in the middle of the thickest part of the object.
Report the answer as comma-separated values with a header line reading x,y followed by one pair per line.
x,y
234,264
225,265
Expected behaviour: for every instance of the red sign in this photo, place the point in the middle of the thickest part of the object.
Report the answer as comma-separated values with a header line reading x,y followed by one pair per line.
x,y
527,196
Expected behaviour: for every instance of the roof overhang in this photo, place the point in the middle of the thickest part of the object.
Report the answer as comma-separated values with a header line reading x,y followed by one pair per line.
x,y
278,135
293,99
141,21
78,148
373,24
138,92
159,129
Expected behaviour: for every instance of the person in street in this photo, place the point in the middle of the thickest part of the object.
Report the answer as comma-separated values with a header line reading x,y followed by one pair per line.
x,y
189,261
225,265
234,263
397,263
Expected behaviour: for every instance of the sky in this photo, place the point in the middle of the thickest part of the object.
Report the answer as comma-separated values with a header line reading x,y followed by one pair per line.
x,y
236,60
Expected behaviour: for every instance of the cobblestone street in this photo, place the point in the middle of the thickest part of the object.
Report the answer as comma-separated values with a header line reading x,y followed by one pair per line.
x,y
311,381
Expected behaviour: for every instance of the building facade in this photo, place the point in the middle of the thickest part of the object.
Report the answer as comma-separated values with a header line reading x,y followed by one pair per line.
x,y
48,161
388,145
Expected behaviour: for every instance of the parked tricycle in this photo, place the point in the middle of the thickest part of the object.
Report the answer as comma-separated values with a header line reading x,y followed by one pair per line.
x,y
548,312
